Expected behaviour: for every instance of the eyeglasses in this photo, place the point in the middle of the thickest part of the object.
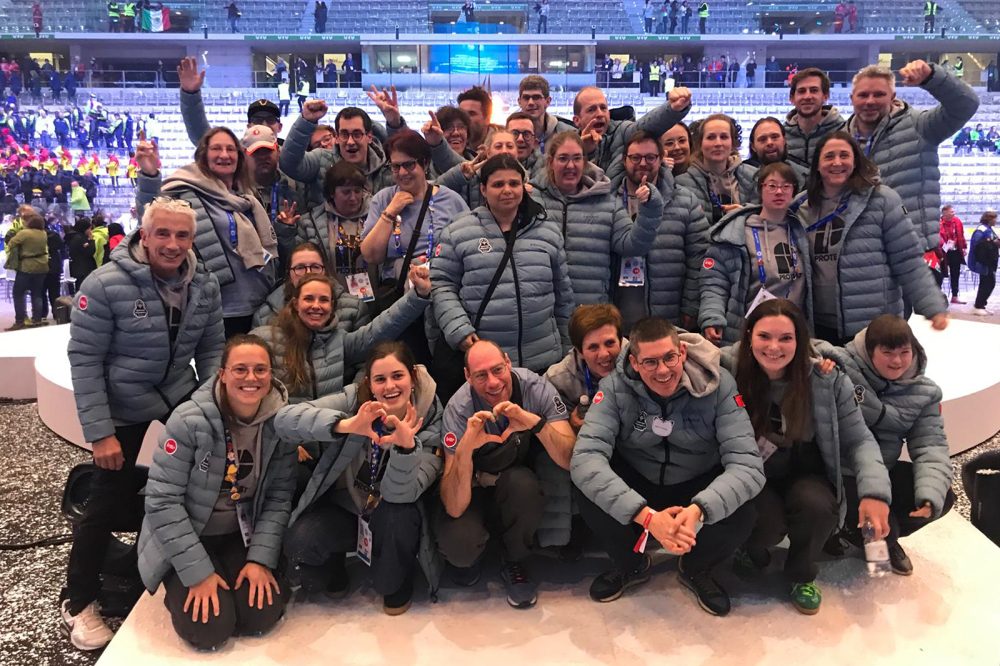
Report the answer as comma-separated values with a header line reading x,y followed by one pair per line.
x,y
638,159
357,135
525,134
497,371
302,269
451,129
408,165
669,359
532,98
166,200
778,187
569,159
243,371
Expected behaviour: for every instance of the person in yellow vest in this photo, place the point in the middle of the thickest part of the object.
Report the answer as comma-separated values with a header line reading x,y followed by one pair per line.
x,y
65,159
702,17
132,170
128,13
654,78
52,166
114,17
930,14
78,199
112,169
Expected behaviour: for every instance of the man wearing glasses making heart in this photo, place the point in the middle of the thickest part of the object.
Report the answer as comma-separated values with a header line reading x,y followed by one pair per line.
x,y
667,450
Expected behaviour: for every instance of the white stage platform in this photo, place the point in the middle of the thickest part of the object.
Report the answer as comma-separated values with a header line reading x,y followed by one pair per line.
x,y
960,361
943,614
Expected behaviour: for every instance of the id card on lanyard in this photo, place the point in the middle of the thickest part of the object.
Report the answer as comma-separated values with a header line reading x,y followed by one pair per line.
x,y
233,238
274,202
364,548
244,507
826,219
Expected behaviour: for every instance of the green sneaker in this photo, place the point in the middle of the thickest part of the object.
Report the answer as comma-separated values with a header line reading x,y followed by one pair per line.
x,y
806,597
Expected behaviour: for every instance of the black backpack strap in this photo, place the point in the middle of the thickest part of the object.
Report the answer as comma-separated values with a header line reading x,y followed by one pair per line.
x,y
414,239
508,251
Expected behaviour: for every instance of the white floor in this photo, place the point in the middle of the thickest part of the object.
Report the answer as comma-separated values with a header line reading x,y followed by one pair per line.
x,y
945,614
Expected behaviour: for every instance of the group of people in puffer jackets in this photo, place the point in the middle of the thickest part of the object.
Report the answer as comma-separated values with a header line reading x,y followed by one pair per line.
x,y
429,378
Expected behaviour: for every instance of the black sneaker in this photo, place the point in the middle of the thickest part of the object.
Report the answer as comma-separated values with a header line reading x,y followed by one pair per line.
x,y
711,597
610,585
522,592
466,576
398,602
899,560
337,587
750,561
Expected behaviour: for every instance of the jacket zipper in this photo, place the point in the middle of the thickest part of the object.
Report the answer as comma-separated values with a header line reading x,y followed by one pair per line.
x,y
666,449
312,369
517,297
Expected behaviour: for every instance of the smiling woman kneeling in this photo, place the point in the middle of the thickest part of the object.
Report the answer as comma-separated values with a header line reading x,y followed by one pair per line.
x,y
217,503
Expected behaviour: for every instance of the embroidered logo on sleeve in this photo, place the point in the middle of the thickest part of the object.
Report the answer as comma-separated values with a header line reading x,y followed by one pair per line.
x,y
83,302
450,440
598,397
708,263
559,405
859,394
738,398
170,447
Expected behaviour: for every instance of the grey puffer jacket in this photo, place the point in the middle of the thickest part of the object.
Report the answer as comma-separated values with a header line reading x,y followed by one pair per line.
x,y
879,254
124,368
468,188
696,181
350,311
309,166
906,409
528,313
800,147
611,148
727,271
710,430
333,350
844,442
184,484
407,476
314,227
905,148
674,261
595,224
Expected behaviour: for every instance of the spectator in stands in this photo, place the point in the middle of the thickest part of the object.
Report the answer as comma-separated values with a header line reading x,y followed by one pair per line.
x,y
235,238
80,247
320,14
952,248
751,71
983,251
664,282
398,394
767,238
840,16
963,141
36,18
284,97
865,253
114,16
233,14
772,73
812,118
533,98
160,279
303,92
355,145
673,15
931,9
852,15
219,566
476,102
596,334
537,289
992,77
716,175
70,83
53,279
886,364
686,12
677,147
28,255
703,18
648,16
542,8
596,224
767,146
806,461
715,471
883,123
506,438
604,139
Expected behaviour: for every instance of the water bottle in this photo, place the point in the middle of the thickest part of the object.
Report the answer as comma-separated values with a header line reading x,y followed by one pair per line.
x,y
583,406
876,552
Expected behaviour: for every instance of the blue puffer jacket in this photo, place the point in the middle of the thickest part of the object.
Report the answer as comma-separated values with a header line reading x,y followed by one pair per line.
x,y
905,148
710,430
800,148
906,409
844,442
333,350
674,261
612,145
725,279
407,476
184,484
351,313
124,368
595,224
880,253
528,313
314,226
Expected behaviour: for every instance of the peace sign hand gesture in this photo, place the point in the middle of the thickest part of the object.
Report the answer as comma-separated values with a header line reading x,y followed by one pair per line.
x,y
432,130
288,215
387,102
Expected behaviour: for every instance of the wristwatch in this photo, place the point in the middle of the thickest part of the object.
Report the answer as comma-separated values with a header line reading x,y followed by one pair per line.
x,y
538,426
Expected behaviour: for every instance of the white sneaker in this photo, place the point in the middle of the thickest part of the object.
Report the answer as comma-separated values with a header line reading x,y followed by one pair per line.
x,y
981,312
86,630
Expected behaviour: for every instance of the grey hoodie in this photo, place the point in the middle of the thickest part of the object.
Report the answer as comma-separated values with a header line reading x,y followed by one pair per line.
x,y
798,145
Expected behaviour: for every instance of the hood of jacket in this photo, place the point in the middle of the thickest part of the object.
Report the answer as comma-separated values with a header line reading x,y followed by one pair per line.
x,y
131,256
831,119
916,369
594,182
426,390
701,372
376,159
275,399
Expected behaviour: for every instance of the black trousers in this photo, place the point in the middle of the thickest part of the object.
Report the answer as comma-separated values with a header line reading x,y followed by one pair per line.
x,y
904,501
715,542
53,283
513,507
986,284
236,615
954,259
113,503
23,283
327,530
806,509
